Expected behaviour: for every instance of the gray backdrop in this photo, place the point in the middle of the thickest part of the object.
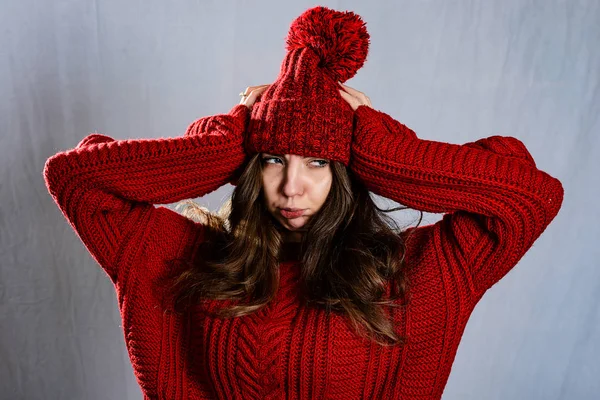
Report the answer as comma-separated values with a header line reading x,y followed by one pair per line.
x,y
453,71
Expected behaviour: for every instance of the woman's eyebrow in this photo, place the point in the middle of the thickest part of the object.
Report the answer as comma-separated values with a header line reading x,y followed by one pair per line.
x,y
283,156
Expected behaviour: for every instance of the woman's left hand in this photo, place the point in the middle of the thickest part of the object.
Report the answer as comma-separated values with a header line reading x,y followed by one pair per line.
x,y
354,97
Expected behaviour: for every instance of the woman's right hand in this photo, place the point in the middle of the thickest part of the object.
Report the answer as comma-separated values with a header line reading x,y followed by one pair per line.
x,y
252,93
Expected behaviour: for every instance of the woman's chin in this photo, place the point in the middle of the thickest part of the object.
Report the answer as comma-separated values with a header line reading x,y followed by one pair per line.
x,y
294,223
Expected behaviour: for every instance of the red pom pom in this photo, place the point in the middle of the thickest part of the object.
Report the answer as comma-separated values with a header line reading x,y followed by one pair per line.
x,y
340,39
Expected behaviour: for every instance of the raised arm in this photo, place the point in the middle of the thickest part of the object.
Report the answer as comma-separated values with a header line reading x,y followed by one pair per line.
x,y
106,188
496,202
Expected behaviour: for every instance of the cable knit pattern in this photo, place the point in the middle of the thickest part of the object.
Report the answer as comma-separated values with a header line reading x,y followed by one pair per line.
x,y
495,201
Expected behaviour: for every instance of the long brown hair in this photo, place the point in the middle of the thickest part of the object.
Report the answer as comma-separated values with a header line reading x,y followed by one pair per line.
x,y
352,255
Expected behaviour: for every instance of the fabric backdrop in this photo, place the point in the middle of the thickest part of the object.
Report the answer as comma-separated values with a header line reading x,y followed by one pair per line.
x,y
453,71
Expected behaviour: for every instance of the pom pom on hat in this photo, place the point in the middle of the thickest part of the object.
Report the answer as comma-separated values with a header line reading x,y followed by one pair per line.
x,y
340,39
302,111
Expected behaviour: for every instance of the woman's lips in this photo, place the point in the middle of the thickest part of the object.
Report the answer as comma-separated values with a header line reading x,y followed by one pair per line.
x,y
291,214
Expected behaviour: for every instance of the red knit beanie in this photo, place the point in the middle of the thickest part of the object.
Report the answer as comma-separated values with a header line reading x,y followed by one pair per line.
x,y
302,111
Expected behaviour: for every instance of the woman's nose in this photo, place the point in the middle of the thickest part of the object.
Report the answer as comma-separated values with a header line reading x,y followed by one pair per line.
x,y
292,181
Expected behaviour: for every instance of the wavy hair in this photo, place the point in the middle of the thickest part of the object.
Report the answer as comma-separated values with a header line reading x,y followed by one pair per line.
x,y
351,254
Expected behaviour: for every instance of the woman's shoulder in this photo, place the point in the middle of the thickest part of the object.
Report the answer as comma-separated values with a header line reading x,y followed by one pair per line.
x,y
418,249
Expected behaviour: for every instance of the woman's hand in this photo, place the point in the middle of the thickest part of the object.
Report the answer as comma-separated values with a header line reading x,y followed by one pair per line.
x,y
251,94
354,97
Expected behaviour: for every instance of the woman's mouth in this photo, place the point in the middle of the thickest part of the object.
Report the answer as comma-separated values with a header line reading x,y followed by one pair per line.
x,y
292,213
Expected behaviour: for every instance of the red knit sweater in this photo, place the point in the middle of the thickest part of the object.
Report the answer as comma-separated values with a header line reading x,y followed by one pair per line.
x,y
495,201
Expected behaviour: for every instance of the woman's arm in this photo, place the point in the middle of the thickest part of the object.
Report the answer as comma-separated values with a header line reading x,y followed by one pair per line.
x,y
497,203
106,188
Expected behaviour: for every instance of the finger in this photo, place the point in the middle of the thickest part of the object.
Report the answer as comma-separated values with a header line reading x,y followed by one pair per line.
x,y
258,92
357,94
251,88
252,96
344,91
349,98
364,99
259,89
350,90
360,96
347,95
255,93
251,93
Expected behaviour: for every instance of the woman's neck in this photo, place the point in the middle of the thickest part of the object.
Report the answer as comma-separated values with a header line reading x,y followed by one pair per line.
x,y
290,251
292,237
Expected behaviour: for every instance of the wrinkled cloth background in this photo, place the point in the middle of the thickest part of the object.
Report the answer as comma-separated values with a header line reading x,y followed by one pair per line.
x,y
453,71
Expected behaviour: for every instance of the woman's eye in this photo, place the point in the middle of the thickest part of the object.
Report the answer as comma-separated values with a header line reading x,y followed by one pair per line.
x,y
268,159
275,160
321,163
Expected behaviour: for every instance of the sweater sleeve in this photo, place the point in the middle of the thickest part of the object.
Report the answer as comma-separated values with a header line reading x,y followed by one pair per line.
x,y
495,201
106,188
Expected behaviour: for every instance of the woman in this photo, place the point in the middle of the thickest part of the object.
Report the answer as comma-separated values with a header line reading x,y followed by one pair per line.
x,y
329,301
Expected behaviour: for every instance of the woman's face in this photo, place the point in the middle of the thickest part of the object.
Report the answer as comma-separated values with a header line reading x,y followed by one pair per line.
x,y
294,182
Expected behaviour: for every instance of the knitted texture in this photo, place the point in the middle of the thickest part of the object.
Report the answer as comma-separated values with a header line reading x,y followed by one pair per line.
x,y
302,111
495,201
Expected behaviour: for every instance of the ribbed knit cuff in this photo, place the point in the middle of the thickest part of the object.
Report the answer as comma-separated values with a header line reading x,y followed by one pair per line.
x,y
364,110
241,111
